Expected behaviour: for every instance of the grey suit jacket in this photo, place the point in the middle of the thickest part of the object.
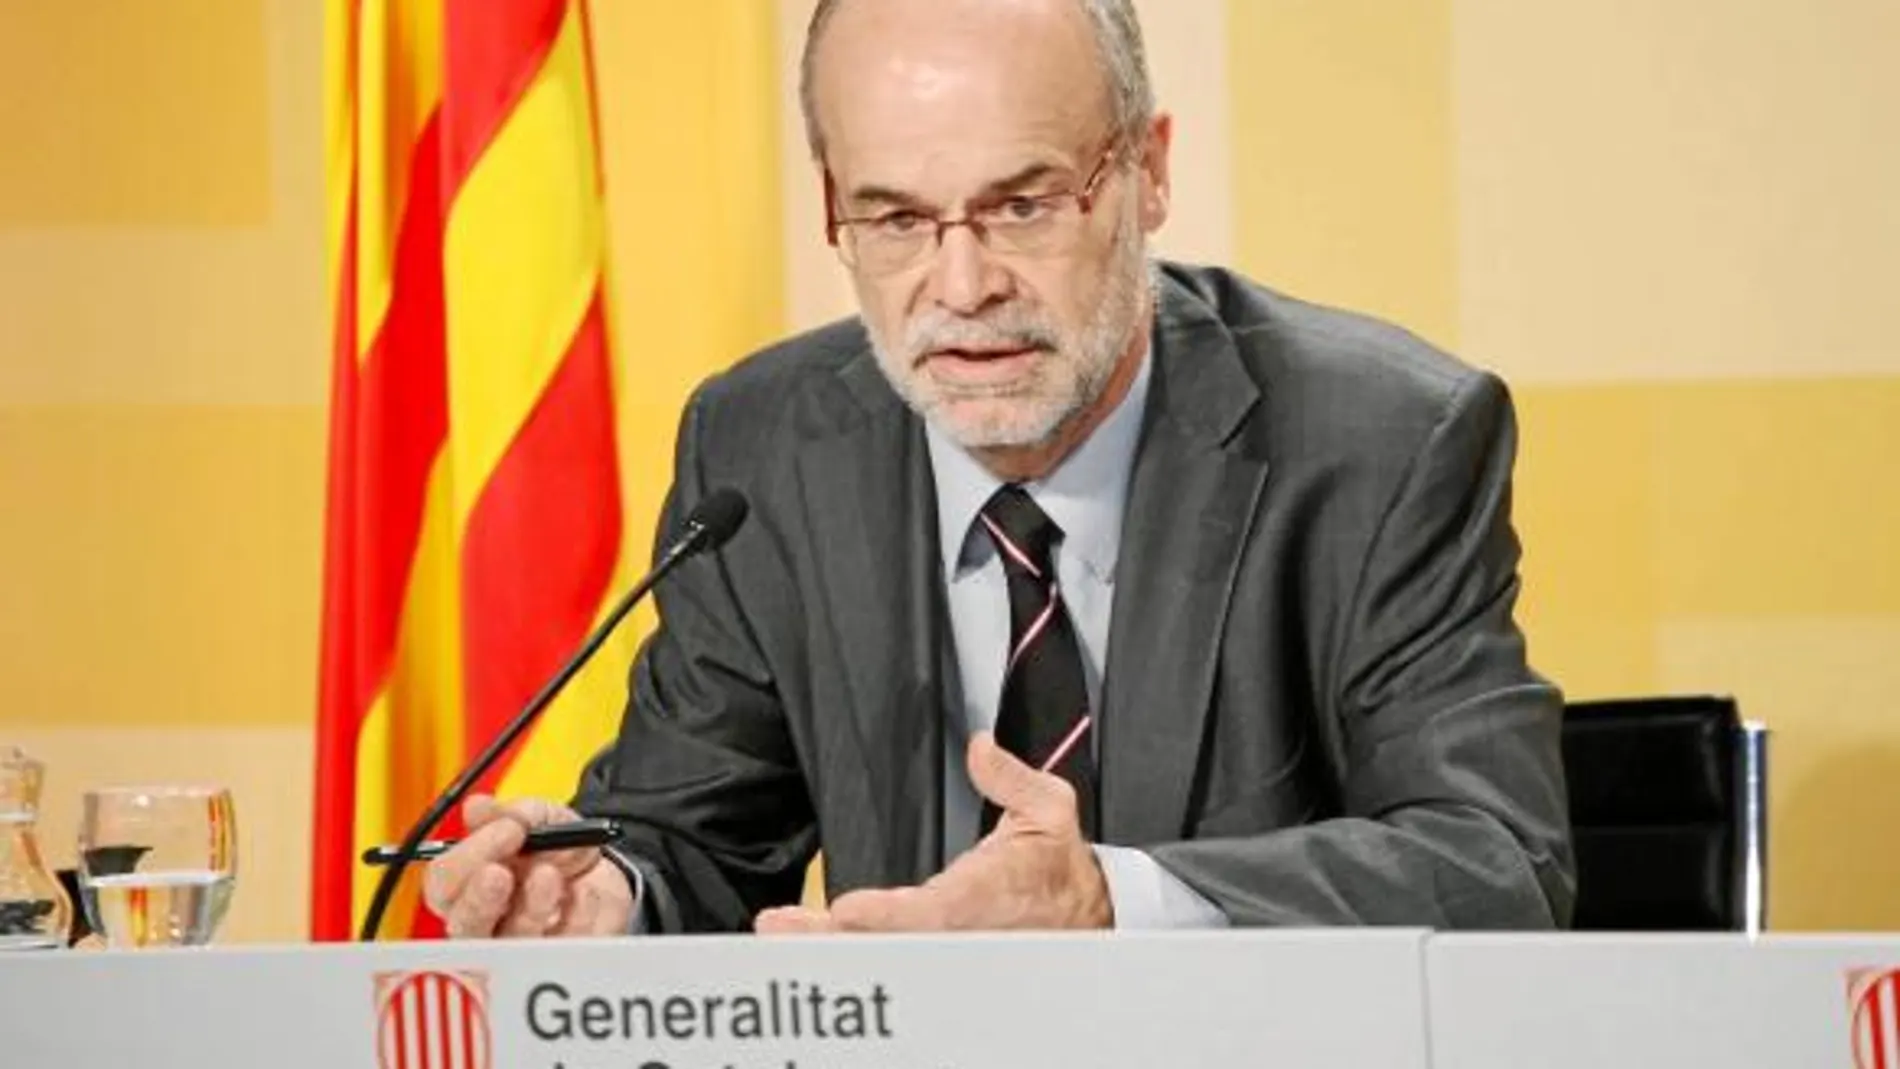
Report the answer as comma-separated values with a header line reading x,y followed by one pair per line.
x,y
1316,706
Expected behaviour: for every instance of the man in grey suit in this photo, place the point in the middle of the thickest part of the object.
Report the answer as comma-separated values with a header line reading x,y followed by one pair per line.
x,y
1078,591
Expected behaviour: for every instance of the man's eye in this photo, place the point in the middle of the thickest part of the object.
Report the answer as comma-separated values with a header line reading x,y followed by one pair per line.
x,y
898,222
1022,209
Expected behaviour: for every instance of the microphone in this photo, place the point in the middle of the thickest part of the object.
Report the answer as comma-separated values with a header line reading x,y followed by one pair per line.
x,y
707,527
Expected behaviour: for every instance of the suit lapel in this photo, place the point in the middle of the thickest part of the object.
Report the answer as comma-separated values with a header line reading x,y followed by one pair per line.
x,y
872,508
1191,502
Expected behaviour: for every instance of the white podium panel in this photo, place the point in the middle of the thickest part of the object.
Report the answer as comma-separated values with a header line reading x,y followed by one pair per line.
x,y
1667,1001
983,1002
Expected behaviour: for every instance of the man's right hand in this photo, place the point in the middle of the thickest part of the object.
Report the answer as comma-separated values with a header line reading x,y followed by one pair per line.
x,y
485,886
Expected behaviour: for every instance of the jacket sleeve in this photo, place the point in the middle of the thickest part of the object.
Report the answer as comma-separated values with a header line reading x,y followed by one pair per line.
x,y
703,775
1454,812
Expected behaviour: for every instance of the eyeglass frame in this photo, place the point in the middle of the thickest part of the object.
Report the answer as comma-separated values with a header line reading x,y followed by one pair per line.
x,y
1085,200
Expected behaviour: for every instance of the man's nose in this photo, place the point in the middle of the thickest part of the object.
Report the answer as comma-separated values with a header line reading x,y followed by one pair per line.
x,y
965,278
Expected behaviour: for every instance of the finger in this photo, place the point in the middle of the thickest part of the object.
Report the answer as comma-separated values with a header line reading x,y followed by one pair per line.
x,y
793,920
598,904
536,909
903,909
479,809
479,909
582,913
573,862
780,920
484,809
535,812
448,876
1043,799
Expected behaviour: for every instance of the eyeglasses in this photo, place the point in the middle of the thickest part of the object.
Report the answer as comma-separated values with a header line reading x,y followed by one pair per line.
x,y
1026,225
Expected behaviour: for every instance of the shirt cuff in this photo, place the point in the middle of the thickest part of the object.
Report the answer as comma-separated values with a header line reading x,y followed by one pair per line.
x,y
1146,896
636,880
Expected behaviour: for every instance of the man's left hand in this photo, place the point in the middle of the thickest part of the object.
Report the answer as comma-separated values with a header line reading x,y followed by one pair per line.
x,y
1033,871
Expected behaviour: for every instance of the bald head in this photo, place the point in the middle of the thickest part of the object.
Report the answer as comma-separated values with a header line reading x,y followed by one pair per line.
x,y
1095,45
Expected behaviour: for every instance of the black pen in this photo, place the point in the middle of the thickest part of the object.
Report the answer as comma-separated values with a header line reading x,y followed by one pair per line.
x,y
594,831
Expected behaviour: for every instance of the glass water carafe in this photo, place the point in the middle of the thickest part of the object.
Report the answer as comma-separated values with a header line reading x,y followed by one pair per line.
x,y
34,910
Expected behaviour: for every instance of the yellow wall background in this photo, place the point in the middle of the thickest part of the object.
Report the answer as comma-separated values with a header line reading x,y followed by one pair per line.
x,y
1671,226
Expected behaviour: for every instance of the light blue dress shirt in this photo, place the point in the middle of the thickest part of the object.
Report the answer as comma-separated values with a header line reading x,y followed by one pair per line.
x,y
1085,496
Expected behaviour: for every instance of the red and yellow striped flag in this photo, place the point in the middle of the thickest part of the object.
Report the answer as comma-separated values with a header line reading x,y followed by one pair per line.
x,y
475,513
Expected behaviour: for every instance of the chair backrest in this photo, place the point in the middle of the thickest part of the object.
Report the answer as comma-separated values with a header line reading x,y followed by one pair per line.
x,y
1667,810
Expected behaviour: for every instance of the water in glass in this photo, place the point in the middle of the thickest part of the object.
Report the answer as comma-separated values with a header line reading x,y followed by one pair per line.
x,y
157,865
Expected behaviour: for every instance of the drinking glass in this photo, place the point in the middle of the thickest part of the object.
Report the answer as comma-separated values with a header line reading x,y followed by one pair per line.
x,y
157,864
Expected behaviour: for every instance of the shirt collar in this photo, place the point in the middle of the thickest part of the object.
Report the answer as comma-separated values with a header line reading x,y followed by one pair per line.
x,y
1085,495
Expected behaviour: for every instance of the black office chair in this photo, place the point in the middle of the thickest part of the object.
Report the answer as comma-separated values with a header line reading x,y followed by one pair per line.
x,y
1668,806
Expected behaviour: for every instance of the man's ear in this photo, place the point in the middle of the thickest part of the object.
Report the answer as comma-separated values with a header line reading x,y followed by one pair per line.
x,y
1157,188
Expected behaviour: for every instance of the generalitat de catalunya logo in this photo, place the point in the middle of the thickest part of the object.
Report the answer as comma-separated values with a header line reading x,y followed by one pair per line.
x,y
1873,1000
432,1020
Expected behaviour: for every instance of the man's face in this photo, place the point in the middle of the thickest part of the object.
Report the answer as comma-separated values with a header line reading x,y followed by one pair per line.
x,y
945,110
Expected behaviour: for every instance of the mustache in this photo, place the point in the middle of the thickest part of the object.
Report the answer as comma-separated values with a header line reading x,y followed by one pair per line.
x,y
1006,328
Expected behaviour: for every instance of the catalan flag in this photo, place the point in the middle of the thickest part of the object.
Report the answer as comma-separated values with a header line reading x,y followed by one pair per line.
x,y
476,499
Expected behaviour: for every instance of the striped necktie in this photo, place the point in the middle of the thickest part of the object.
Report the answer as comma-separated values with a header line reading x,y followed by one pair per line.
x,y
1044,712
